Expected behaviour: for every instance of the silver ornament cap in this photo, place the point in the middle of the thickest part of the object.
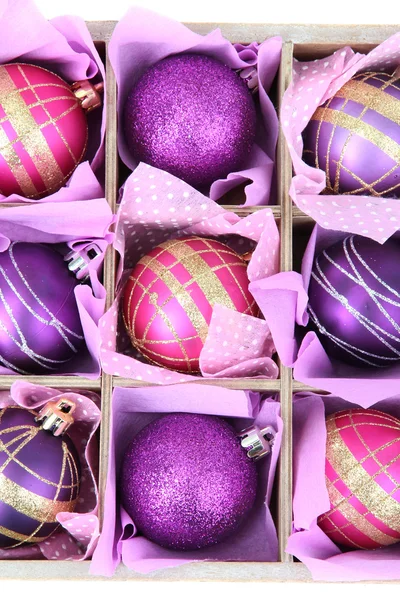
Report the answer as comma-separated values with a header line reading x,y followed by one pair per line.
x,y
257,442
56,416
79,260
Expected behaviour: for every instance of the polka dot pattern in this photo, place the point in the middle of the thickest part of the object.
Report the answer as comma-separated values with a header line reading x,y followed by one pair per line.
x,y
140,229
313,83
77,537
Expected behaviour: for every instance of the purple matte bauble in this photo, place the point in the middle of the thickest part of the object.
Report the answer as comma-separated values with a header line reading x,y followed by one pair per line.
x,y
40,327
355,137
41,480
186,482
354,301
191,116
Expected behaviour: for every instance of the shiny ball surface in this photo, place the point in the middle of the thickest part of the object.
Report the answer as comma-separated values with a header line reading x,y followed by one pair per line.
x,y
41,480
192,116
354,301
363,479
40,327
186,482
169,298
355,137
43,131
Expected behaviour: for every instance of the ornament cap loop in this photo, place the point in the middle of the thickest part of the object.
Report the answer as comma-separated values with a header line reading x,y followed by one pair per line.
x,y
79,260
257,442
88,94
56,417
250,76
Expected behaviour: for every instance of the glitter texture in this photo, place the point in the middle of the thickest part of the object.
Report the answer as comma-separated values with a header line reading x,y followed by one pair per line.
x,y
192,116
363,479
354,137
169,298
354,301
39,477
43,131
186,482
40,327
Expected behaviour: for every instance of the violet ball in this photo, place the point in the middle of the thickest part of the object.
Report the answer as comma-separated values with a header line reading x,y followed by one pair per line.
x,y
354,301
186,482
192,116
40,326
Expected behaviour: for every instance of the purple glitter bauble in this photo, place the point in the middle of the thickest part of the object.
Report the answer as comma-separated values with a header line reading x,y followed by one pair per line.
x,y
354,301
41,480
191,116
186,482
40,327
355,137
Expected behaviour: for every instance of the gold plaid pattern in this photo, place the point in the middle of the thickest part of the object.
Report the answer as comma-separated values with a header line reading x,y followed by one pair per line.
x,y
361,485
371,98
24,501
200,273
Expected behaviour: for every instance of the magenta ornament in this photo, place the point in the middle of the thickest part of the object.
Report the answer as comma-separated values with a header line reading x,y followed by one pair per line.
x,y
169,298
186,482
40,481
354,301
192,116
355,137
40,327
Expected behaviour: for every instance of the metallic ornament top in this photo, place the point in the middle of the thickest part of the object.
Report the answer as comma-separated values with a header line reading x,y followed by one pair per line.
x,y
43,129
169,298
39,477
40,326
354,301
362,472
355,137
191,116
186,482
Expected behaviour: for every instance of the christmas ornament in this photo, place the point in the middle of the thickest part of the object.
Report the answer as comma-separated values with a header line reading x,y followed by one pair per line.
x,y
40,327
354,301
186,480
168,300
192,116
43,129
39,472
355,137
363,479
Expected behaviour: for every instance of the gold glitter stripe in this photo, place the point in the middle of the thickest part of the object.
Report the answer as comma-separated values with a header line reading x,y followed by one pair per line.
x,y
30,504
20,536
355,518
26,128
179,292
357,127
206,279
379,503
16,167
371,97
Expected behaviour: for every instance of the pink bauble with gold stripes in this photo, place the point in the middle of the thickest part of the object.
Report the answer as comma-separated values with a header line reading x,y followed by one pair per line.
x,y
43,131
363,479
169,298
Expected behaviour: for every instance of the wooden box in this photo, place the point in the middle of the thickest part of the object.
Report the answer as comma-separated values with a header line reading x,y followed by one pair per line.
x,y
305,42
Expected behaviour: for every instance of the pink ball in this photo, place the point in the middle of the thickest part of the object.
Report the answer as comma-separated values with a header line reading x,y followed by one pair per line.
x,y
363,479
169,298
43,132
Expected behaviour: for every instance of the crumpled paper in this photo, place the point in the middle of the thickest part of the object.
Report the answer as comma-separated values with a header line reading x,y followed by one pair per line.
x,y
283,300
313,83
72,223
156,206
308,542
133,409
65,47
77,537
142,38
